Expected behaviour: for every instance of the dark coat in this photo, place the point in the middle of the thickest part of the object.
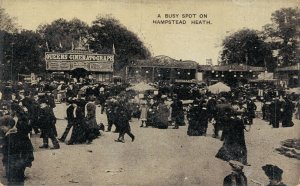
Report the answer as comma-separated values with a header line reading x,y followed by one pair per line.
x,y
235,180
50,101
162,116
90,119
251,107
193,117
275,109
234,146
17,148
47,122
177,108
70,114
122,120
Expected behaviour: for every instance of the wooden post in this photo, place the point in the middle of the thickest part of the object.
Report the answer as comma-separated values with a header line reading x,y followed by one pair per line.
x,y
152,74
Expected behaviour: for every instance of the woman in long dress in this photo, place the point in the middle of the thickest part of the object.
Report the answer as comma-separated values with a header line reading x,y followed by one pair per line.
x,y
234,146
162,115
17,148
143,110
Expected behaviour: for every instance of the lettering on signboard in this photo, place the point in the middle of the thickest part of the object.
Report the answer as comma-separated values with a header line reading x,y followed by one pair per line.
x,y
78,57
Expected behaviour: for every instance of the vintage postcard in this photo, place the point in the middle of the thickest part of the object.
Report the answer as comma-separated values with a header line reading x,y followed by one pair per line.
x,y
149,92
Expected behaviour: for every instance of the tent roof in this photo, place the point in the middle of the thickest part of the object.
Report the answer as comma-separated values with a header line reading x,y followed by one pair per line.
x,y
219,87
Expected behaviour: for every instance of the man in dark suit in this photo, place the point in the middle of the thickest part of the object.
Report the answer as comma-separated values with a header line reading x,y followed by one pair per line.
x,y
34,114
70,118
123,123
47,122
50,99
275,112
177,111
287,114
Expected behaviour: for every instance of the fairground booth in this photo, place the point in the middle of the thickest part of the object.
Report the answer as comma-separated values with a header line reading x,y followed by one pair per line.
x,y
233,75
289,76
161,68
81,63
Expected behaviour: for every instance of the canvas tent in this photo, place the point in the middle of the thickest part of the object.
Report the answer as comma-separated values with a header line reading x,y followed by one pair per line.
x,y
141,87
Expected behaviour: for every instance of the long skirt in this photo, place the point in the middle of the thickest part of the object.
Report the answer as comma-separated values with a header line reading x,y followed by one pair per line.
x,y
233,151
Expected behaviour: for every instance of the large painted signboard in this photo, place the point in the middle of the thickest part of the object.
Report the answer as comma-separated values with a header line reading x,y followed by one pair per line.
x,y
70,61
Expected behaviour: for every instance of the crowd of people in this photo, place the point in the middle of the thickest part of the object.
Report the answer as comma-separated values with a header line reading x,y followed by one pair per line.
x,y
27,109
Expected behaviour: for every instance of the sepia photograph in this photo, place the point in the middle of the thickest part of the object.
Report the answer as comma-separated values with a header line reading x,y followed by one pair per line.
x,y
150,92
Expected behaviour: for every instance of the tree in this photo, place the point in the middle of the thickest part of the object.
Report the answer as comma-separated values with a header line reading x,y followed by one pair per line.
x,y
7,26
22,53
106,32
7,23
284,34
61,34
246,47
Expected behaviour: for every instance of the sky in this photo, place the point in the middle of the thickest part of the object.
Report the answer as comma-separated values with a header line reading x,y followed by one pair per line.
x,y
188,41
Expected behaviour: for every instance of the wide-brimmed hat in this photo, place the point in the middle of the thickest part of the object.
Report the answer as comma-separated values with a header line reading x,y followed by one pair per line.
x,y
273,172
236,165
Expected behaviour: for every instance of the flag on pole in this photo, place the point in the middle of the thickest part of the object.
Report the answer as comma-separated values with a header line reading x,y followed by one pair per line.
x,y
113,49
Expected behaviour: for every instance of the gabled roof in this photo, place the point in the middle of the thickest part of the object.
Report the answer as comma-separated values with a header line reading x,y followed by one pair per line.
x,y
232,67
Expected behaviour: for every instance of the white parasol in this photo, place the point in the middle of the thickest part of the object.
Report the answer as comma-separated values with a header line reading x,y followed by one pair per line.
x,y
219,87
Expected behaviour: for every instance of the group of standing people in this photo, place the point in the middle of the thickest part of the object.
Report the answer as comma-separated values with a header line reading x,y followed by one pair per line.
x,y
81,115
119,115
279,110
230,117
29,112
162,112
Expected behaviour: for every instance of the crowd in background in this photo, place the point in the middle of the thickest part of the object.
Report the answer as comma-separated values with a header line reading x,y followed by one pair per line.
x,y
27,109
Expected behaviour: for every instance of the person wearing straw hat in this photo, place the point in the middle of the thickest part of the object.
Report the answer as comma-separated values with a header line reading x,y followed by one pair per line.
x,y
237,176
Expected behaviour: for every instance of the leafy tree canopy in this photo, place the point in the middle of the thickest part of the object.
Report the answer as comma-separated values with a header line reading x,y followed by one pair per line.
x,y
61,34
7,23
284,34
246,47
106,32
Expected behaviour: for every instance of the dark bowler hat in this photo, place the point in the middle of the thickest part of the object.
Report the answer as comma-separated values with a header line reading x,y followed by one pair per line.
x,y
43,99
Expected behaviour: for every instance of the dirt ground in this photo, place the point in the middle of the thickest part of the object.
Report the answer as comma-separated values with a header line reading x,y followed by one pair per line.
x,y
157,157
